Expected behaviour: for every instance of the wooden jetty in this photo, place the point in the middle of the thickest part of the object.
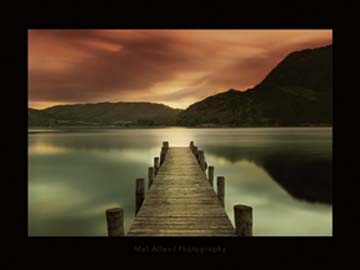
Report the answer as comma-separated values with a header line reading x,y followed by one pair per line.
x,y
181,200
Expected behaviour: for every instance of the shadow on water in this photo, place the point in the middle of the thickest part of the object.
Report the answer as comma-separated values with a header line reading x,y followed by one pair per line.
x,y
304,177
310,180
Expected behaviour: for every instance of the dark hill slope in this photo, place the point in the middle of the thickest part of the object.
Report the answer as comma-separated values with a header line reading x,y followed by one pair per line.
x,y
298,91
39,118
112,114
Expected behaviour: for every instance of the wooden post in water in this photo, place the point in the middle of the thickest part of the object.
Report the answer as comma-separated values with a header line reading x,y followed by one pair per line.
x,y
243,220
166,145
205,163
156,165
202,160
115,221
196,152
151,176
163,152
221,189
191,146
211,175
139,194
162,155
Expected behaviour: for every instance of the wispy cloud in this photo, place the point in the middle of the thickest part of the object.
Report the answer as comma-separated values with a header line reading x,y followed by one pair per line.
x,y
175,67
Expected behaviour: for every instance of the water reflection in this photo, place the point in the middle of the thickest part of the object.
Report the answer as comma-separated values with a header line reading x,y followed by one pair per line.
x,y
74,176
45,148
275,212
305,175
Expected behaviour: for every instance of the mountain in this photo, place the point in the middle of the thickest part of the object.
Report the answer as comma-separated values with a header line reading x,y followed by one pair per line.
x,y
297,92
100,114
39,118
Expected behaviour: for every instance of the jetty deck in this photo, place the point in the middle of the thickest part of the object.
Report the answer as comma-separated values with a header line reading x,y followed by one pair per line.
x,y
181,201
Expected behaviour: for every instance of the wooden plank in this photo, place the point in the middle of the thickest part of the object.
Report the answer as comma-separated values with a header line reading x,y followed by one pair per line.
x,y
181,201
182,232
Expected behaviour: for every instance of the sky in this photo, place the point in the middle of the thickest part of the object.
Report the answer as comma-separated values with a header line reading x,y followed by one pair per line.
x,y
172,67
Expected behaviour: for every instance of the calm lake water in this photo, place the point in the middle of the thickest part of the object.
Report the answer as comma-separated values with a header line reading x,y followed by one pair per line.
x,y
75,175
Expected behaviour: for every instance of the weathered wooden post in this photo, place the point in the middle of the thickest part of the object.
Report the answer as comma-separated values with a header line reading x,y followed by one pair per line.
x,y
164,150
195,149
162,155
211,175
205,163
243,220
221,189
196,152
166,145
191,145
139,194
156,165
151,176
202,160
115,221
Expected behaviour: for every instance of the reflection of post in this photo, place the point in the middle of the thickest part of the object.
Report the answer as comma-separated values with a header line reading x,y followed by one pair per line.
x,y
115,221
156,165
139,194
151,176
211,175
243,220
221,189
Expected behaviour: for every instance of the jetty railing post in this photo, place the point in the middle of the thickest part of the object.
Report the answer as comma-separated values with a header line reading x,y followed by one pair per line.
x,y
195,151
139,194
151,176
202,160
156,165
162,155
211,175
221,189
163,152
191,146
243,220
166,145
115,221
205,163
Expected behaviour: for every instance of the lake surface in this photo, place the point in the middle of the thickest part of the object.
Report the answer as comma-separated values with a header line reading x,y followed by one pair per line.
x,y
75,175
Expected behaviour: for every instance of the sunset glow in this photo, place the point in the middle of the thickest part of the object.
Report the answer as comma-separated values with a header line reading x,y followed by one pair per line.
x,y
173,67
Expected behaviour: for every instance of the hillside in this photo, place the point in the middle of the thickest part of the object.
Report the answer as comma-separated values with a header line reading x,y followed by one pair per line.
x,y
101,114
297,92
39,118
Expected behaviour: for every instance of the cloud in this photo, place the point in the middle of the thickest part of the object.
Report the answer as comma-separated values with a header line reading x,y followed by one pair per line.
x,y
169,66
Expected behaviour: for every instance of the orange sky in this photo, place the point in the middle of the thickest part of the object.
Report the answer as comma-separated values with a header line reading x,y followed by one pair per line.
x,y
173,67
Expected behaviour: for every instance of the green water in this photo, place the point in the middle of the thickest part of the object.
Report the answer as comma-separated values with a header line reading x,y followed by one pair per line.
x,y
75,175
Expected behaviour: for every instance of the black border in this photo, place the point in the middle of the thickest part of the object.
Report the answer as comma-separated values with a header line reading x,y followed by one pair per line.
x,y
90,250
